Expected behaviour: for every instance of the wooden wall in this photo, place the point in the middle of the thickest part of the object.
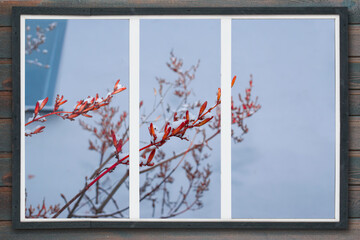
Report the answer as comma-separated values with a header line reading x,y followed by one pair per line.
x,y
6,231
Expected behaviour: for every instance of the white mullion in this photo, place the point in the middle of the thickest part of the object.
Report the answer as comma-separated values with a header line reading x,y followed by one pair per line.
x,y
22,117
134,74
337,115
225,118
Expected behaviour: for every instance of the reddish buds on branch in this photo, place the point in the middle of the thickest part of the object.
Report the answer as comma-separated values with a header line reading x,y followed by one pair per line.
x,y
118,88
203,122
43,103
177,130
37,130
81,109
233,81
152,131
113,138
202,109
36,111
151,156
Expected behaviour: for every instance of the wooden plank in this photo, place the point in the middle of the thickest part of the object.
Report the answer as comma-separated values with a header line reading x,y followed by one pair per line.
x,y
354,133
5,9
352,233
354,168
5,40
5,133
5,203
5,155
354,203
354,102
354,73
5,104
353,5
5,172
5,77
354,40
7,232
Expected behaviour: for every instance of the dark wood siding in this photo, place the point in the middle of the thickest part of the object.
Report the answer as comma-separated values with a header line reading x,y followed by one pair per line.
x,y
6,231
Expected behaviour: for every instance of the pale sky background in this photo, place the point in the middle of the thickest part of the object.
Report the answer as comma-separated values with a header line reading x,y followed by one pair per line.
x,y
285,166
190,40
95,54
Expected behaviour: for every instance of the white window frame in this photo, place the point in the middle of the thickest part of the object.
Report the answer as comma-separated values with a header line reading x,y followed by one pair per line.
x,y
134,73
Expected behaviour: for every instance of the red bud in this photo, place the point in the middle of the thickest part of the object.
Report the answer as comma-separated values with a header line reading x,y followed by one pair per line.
x,y
113,138
43,103
233,81
151,156
202,109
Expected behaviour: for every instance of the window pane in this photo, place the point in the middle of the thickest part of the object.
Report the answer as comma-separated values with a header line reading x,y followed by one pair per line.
x,y
68,153
179,72
283,160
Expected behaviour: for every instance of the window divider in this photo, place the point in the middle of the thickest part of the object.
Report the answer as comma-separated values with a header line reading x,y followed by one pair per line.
x,y
225,118
134,75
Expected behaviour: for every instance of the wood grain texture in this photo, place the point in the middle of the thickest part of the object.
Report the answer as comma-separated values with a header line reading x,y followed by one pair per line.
x,y
354,203
5,104
354,40
354,168
353,5
6,230
354,133
5,172
354,73
5,40
5,203
5,77
5,133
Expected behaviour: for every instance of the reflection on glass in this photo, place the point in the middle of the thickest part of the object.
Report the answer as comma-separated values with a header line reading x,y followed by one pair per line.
x,y
76,147
284,166
179,119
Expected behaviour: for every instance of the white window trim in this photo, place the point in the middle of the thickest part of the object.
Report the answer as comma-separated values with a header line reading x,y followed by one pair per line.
x,y
134,73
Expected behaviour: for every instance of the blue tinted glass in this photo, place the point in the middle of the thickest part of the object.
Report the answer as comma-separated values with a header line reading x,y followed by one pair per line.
x,y
43,46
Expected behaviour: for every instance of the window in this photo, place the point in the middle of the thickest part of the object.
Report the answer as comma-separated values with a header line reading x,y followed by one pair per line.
x,y
218,119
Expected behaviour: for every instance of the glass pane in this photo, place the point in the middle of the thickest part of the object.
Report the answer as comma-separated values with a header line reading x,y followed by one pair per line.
x,y
44,40
68,154
179,72
283,154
